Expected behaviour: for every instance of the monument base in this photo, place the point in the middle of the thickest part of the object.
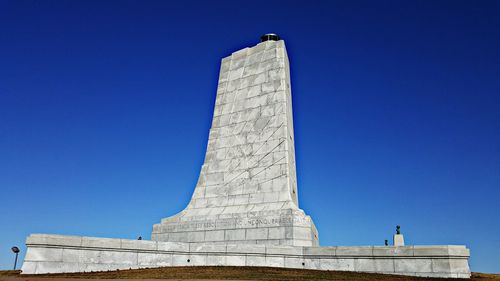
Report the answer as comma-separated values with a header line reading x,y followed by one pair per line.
x,y
398,240
285,227
57,254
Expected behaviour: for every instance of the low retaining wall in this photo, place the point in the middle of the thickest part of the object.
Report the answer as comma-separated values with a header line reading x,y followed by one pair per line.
x,y
56,253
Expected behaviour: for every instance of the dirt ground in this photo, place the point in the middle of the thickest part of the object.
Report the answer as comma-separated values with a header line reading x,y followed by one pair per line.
x,y
226,273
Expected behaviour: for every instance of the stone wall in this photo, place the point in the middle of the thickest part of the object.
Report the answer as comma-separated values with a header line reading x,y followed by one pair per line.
x,y
56,253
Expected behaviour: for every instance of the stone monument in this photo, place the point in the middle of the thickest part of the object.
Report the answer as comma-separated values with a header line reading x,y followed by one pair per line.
x,y
247,188
244,210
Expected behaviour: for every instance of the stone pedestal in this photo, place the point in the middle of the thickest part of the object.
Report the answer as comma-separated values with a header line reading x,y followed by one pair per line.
x,y
399,240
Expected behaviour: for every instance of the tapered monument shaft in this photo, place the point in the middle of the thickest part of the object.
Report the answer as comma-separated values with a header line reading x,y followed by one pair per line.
x,y
247,188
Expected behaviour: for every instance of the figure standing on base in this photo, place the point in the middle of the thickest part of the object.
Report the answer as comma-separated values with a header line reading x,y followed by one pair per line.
x,y
398,237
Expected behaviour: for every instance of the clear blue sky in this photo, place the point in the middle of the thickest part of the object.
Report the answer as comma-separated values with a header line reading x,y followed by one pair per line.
x,y
105,108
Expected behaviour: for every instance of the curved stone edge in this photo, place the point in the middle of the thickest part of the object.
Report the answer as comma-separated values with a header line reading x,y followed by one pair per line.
x,y
58,253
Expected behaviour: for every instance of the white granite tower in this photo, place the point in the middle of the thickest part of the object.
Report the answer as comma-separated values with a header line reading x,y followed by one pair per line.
x,y
247,188
244,210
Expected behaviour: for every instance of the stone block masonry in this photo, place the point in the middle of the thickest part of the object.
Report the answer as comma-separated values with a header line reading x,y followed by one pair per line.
x,y
247,188
55,253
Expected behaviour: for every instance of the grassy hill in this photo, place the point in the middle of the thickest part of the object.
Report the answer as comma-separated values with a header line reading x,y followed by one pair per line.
x,y
230,273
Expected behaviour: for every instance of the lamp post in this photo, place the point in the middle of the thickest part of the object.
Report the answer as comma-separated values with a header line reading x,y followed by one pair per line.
x,y
16,251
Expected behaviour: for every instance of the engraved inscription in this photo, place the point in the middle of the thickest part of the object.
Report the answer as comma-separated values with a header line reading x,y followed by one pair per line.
x,y
233,223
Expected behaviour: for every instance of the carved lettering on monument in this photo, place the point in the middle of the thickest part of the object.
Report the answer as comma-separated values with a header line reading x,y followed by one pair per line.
x,y
277,221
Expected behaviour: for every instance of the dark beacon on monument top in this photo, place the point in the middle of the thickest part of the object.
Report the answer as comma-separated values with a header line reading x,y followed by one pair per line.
x,y
269,37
